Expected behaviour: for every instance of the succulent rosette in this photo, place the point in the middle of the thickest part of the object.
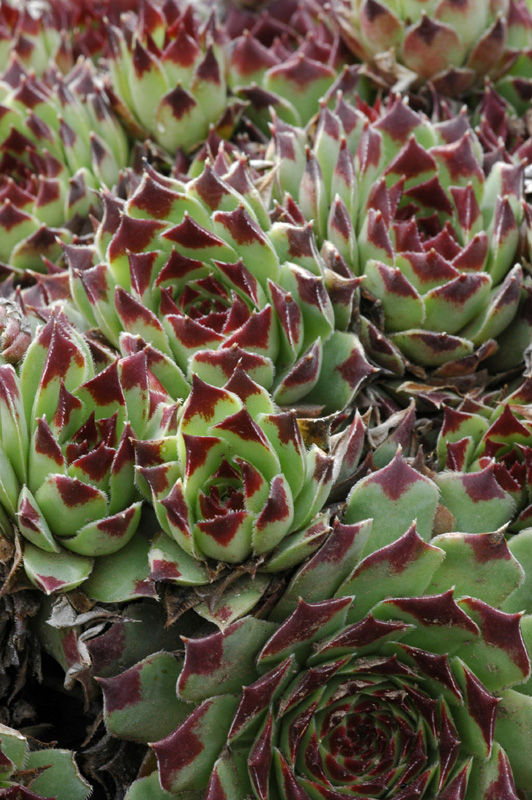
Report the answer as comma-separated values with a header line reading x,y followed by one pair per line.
x,y
50,36
494,432
451,45
38,773
286,59
398,676
33,38
407,204
167,77
199,273
59,140
234,486
67,459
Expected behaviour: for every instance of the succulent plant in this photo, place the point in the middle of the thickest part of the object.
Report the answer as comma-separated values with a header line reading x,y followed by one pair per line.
x,y
234,486
198,272
478,433
286,58
67,483
413,211
168,77
398,676
452,45
37,773
58,141
33,38
47,37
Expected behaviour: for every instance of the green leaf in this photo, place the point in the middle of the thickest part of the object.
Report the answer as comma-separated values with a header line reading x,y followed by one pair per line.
x,y
401,569
393,497
223,661
475,499
62,779
236,601
480,565
123,575
321,576
55,572
169,562
513,730
141,703
148,789
202,737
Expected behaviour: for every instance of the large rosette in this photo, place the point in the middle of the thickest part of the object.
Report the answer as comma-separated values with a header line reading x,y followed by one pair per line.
x,y
403,674
391,695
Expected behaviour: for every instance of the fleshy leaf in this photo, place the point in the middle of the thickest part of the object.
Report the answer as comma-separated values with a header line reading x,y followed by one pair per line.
x,y
393,497
141,703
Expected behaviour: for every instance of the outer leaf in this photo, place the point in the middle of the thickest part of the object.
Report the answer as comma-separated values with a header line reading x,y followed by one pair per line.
x,y
55,572
62,779
141,703
320,577
513,731
222,661
480,565
393,497
187,757
123,575
476,501
401,569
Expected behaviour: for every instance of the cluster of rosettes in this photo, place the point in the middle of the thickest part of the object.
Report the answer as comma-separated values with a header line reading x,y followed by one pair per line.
x,y
217,234
198,272
404,672
454,45
497,434
408,205
59,141
228,475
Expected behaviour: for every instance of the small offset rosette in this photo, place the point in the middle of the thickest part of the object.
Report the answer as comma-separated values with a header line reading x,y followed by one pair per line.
x,y
494,434
454,46
409,205
167,77
235,486
67,458
59,140
198,272
405,673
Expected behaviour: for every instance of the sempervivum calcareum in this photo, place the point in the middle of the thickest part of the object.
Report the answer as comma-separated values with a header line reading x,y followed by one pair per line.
x,y
199,273
478,433
67,459
58,140
453,45
285,59
167,76
401,675
235,485
408,205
